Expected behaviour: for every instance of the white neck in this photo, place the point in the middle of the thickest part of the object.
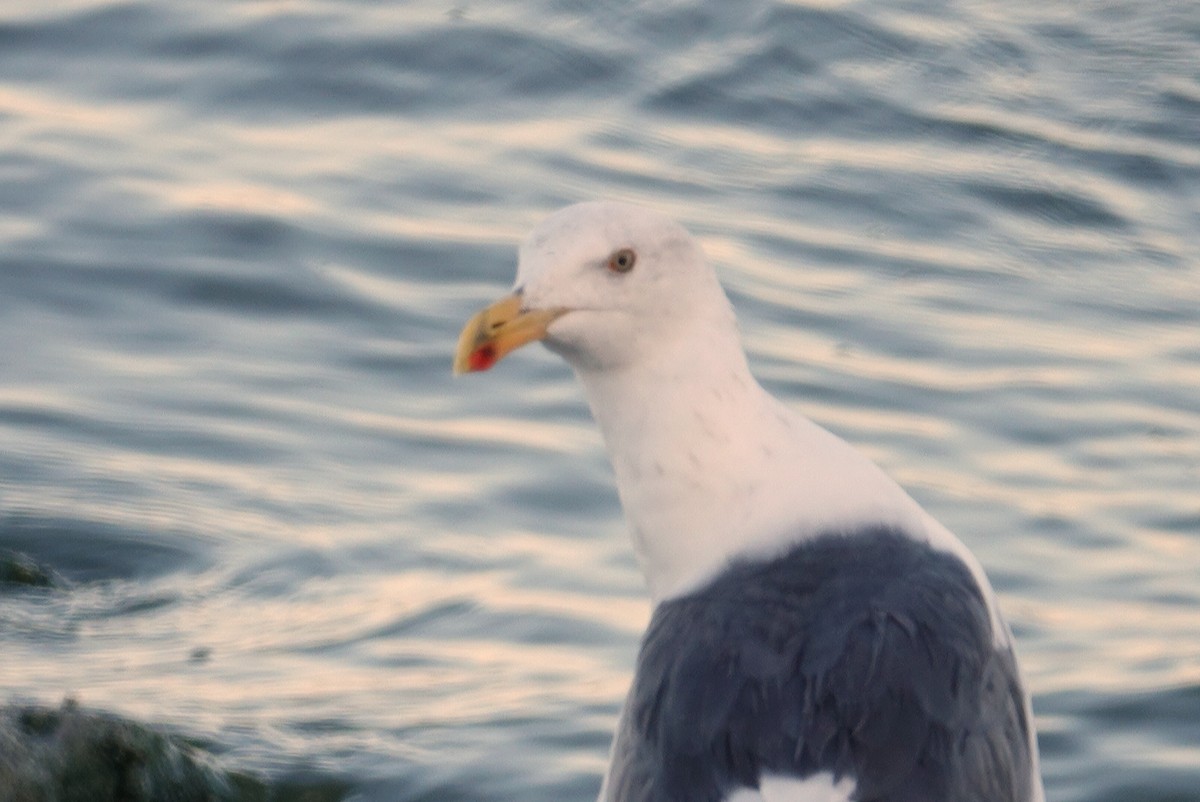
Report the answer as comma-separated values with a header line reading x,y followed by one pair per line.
x,y
710,468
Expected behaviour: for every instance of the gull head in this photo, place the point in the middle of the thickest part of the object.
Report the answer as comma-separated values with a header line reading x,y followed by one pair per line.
x,y
605,285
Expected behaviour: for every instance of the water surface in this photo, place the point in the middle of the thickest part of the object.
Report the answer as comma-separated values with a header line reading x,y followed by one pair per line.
x,y
237,242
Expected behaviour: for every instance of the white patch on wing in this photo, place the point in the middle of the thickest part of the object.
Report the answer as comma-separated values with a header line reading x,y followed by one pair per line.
x,y
817,788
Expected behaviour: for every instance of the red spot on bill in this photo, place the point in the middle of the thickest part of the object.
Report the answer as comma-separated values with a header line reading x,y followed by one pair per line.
x,y
482,358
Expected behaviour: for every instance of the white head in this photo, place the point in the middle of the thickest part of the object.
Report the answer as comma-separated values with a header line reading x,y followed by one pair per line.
x,y
605,285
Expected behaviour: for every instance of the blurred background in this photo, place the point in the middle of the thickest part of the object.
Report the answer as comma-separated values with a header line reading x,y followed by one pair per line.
x,y
238,240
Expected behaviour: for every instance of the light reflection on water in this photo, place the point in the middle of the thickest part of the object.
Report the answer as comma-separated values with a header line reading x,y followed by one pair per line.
x,y
238,243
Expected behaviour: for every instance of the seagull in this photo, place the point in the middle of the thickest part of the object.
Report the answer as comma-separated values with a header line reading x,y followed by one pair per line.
x,y
815,635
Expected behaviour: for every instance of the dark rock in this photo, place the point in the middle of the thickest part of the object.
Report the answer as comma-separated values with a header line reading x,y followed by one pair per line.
x,y
17,568
72,755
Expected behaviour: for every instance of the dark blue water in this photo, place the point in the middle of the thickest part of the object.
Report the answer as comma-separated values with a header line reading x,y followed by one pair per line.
x,y
237,241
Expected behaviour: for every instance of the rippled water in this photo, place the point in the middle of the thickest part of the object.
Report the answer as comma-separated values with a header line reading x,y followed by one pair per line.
x,y
237,241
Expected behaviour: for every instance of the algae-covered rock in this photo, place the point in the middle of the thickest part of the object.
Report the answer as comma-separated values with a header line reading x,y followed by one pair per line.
x,y
17,568
72,755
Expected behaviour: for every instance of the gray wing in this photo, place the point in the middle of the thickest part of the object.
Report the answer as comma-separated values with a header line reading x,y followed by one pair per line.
x,y
868,655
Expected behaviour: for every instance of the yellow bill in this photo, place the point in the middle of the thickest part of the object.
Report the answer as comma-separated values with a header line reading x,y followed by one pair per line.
x,y
498,329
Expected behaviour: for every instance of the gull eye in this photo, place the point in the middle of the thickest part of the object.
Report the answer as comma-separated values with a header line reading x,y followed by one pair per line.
x,y
622,261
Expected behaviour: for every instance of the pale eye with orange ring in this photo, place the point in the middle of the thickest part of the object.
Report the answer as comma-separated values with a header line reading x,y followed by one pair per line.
x,y
622,261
